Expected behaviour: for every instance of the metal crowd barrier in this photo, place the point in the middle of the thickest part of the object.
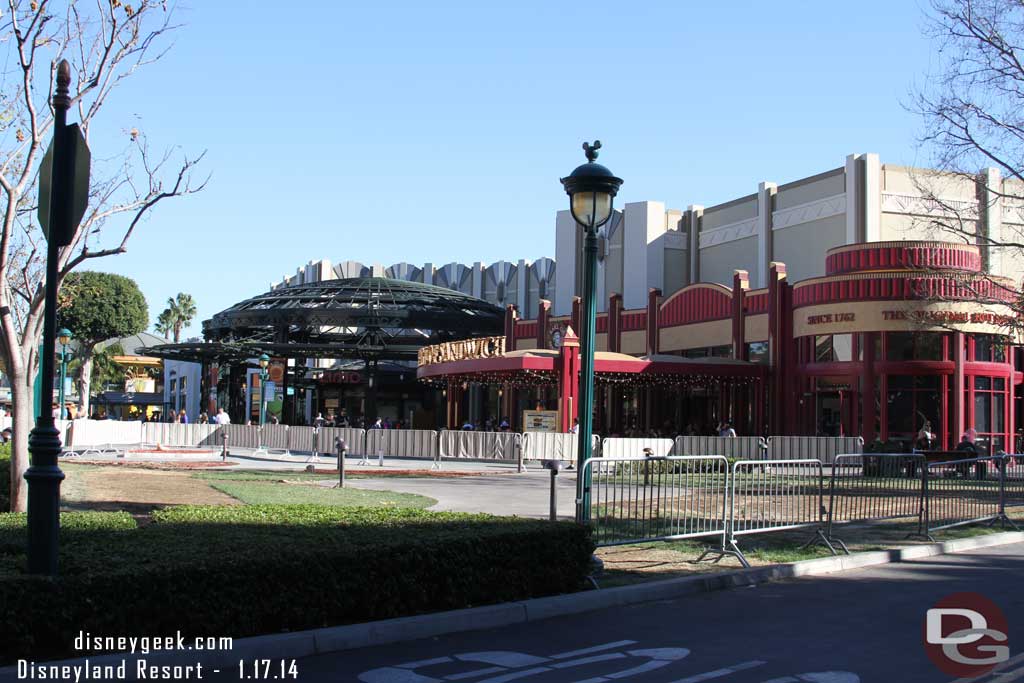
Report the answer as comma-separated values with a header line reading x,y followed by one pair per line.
x,y
745,447
614,447
658,498
823,448
773,496
873,487
485,445
556,446
966,491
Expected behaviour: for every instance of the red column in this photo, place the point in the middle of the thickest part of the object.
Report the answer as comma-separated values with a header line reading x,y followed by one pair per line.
x,y
543,313
781,402
511,314
959,414
740,285
452,405
867,388
568,379
653,305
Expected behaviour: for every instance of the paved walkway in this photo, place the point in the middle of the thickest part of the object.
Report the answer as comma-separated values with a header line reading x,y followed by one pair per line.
x,y
524,495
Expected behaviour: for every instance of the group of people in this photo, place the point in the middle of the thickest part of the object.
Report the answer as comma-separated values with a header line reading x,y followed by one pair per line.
x,y
488,425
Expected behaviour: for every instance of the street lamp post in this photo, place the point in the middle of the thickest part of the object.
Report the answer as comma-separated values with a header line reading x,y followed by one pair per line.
x,y
64,337
264,363
591,189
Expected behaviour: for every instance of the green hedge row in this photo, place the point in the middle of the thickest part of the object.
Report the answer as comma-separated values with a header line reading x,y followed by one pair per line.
x,y
241,571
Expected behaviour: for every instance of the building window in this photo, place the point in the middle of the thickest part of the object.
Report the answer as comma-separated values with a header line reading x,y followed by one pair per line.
x,y
990,411
830,348
912,399
757,352
989,348
903,346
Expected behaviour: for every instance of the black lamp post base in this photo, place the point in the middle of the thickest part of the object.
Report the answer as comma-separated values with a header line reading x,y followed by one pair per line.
x,y
43,500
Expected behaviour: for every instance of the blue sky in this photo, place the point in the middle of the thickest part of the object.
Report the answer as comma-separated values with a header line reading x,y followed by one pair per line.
x,y
410,131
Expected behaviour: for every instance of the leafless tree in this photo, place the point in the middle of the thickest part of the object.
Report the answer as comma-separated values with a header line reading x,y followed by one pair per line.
x,y
106,42
972,106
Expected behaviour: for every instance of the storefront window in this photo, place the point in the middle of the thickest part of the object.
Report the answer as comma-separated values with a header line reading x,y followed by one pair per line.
x,y
911,400
990,411
903,346
833,348
989,348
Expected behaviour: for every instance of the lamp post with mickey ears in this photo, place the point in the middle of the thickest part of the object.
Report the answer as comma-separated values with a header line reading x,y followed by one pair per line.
x,y
591,188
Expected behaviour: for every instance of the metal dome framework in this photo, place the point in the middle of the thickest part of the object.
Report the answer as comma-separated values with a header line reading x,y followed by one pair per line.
x,y
368,318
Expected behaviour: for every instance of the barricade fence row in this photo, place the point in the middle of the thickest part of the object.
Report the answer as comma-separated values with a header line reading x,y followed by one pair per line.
x,y
872,487
658,498
742,447
965,491
632,500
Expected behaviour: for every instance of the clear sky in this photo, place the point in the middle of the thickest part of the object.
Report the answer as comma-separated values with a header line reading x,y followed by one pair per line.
x,y
408,131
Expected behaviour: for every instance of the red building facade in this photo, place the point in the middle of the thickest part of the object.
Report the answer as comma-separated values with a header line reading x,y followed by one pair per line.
x,y
895,334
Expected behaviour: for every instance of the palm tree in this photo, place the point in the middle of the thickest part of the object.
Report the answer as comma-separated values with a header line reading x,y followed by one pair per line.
x,y
163,324
179,314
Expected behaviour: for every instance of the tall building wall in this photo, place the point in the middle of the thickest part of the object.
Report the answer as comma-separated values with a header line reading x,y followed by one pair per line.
x,y
645,245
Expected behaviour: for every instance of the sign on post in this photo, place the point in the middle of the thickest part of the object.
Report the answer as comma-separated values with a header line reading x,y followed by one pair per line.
x,y
79,185
540,421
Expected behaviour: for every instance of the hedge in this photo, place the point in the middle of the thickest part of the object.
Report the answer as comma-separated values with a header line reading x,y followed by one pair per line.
x,y
242,571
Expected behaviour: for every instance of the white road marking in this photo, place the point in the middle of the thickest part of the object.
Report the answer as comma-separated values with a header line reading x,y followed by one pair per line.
x,y
588,660
505,658
596,648
424,662
473,674
718,673
819,677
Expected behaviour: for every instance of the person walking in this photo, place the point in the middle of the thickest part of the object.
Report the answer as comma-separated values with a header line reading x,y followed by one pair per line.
x,y
222,417
182,417
727,430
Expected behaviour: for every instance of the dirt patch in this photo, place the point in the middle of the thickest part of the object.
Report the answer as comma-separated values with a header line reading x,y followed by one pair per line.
x,y
171,465
137,490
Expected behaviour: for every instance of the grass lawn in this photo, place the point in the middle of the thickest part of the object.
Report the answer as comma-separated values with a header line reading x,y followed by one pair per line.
x,y
140,491
256,492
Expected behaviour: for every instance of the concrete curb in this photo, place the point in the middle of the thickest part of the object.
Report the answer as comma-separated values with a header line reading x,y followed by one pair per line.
x,y
339,638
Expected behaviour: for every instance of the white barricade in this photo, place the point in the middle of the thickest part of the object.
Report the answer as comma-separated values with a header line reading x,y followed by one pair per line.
x,y
242,436
555,446
480,445
98,432
401,443
355,439
615,447
823,448
176,434
744,447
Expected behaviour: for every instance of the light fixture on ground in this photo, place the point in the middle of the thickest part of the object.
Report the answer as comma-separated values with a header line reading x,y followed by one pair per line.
x,y
64,338
591,189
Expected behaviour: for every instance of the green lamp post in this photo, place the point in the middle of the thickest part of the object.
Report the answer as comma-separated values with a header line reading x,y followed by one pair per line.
x,y
591,189
264,363
64,337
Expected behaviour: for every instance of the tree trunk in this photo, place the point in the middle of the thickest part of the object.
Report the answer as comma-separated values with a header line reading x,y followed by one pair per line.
x,y
84,382
22,420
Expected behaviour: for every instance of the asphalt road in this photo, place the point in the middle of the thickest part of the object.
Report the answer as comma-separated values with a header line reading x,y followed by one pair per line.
x,y
862,625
